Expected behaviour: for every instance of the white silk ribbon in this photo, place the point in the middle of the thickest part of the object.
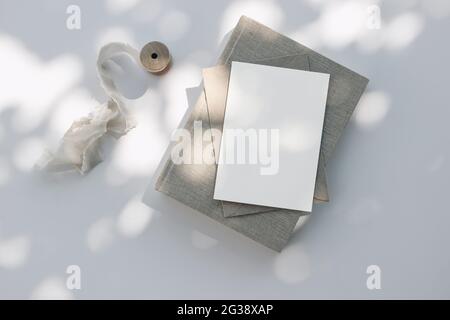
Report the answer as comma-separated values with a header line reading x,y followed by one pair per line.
x,y
79,147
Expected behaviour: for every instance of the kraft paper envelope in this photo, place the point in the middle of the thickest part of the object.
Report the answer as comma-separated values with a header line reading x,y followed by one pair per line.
x,y
193,184
215,83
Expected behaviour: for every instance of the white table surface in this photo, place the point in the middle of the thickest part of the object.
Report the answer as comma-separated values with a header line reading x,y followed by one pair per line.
x,y
388,179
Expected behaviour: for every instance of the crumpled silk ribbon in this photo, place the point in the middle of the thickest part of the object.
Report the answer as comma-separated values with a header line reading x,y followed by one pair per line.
x,y
79,147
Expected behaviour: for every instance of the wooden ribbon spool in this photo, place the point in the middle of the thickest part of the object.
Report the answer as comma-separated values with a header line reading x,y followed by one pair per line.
x,y
155,57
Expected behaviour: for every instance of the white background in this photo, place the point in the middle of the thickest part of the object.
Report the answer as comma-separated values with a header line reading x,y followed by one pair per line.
x,y
388,179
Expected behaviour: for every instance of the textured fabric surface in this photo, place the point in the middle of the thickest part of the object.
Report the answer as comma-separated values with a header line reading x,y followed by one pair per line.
x,y
192,184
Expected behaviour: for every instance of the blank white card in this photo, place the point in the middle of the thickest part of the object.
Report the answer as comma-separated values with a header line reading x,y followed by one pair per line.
x,y
271,137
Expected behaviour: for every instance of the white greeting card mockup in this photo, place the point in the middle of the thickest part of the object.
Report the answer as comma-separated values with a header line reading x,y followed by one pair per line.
x,y
271,136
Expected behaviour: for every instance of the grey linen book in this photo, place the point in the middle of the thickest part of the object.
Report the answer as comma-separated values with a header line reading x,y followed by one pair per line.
x,y
193,184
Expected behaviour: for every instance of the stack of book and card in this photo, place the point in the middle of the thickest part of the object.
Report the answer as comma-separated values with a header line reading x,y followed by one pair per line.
x,y
274,111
